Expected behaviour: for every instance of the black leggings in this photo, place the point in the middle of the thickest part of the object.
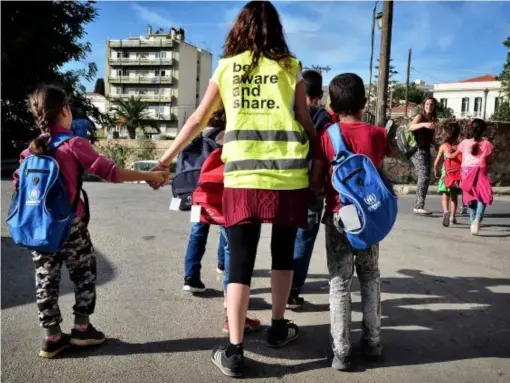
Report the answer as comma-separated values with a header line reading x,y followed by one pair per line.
x,y
243,241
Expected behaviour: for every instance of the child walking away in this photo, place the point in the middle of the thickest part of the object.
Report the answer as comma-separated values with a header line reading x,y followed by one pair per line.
x,y
305,238
475,184
449,183
48,217
347,94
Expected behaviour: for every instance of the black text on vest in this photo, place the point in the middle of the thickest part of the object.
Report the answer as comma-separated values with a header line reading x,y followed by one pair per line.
x,y
246,91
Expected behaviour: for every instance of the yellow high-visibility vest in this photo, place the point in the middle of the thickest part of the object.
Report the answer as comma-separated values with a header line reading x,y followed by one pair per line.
x,y
264,146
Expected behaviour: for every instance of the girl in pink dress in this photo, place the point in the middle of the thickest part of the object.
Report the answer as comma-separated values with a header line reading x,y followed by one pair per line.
x,y
475,183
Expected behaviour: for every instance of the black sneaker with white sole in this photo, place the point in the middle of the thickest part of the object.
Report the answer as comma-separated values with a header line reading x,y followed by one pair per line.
x,y
193,285
281,333
295,302
50,349
90,337
233,366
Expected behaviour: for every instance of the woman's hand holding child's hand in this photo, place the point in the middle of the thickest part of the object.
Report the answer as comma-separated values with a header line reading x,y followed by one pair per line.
x,y
162,169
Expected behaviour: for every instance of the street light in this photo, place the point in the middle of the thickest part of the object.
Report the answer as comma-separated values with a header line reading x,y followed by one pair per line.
x,y
379,20
485,92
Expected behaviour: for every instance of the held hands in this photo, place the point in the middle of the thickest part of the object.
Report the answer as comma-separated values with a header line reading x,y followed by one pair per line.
x,y
163,174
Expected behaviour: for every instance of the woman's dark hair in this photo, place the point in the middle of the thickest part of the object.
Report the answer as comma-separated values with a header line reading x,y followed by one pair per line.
x,y
46,104
432,116
450,131
478,129
258,29
218,119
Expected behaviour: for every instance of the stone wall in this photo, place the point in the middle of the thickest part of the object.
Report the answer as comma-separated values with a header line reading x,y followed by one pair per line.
x,y
400,170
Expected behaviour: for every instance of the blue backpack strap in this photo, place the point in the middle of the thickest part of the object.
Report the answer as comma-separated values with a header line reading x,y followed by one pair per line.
x,y
59,139
335,135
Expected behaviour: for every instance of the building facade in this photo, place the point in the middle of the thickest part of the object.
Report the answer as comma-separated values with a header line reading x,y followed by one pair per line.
x,y
477,97
161,69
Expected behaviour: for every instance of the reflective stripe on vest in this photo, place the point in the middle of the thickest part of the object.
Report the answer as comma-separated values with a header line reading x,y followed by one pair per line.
x,y
264,135
264,146
265,164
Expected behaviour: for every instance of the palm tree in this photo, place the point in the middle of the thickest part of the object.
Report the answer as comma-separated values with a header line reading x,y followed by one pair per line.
x,y
133,114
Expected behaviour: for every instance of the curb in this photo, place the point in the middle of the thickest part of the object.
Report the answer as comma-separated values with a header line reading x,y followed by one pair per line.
x,y
411,189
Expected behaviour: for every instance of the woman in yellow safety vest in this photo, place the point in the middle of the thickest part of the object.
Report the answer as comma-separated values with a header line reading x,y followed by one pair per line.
x,y
265,153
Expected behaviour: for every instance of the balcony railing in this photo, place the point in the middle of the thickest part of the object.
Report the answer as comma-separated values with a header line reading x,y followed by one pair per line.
x,y
141,43
140,61
140,80
146,97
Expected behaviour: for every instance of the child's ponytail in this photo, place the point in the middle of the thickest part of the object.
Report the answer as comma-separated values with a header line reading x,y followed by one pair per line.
x,y
46,104
478,129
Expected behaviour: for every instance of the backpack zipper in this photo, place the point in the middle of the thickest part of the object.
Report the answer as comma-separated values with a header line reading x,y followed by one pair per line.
x,y
27,171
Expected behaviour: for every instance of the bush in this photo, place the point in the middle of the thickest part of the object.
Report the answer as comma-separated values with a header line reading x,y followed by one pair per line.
x,y
117,153
165,138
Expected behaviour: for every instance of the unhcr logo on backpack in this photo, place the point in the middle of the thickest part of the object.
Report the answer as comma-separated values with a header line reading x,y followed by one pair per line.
x,y
372,202
33,197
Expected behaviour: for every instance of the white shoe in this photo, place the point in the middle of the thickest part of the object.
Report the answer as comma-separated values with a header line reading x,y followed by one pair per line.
x,y
475,227
421,212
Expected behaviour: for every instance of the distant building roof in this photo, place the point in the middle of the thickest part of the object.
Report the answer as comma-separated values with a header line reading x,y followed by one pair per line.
x,y
93,94
485,77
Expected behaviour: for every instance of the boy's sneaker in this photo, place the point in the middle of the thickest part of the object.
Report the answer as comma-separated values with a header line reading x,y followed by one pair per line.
x,y
341,363
295,302
251,325
421,212
281,333
371,350
89,337
193,285
453,221
475,227
446,219
232,366
51,349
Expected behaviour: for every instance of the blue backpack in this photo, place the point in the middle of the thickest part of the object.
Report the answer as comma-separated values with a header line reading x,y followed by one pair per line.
x,y
189,164
359,183
40,214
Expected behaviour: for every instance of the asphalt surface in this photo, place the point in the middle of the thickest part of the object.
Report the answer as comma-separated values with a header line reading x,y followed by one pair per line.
x,y
446,303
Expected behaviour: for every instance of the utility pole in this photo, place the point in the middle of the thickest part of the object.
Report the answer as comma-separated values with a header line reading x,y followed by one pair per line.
x,y
374,12
384,62
407,79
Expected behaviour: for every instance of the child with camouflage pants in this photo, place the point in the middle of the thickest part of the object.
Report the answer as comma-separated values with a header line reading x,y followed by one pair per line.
x,y
347,95
50,108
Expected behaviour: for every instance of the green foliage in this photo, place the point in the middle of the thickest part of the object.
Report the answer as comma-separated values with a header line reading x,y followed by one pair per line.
x,y
503,112
36,41
119,154
133,114
99,88
442,112
414,94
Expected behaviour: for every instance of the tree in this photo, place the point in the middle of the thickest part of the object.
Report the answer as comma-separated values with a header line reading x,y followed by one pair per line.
x,y
414,94
36,41
319,68
392,83
503,111
99,88
133,114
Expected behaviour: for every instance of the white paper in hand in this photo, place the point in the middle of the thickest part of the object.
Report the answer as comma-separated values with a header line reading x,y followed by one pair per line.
x,y
175,203
349,217
195,213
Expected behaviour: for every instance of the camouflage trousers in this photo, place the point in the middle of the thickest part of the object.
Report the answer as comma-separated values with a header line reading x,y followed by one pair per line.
x,y
77,254
342,259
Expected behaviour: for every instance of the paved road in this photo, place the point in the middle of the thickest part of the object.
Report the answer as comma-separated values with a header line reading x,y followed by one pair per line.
x,y
446,299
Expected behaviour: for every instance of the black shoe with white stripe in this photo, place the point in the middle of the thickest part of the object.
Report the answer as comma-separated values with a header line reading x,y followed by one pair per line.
x,y
193,285
281,332
232,366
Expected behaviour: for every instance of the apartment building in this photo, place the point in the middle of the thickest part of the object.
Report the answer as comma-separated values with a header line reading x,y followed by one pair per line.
x,y
474,97
163,70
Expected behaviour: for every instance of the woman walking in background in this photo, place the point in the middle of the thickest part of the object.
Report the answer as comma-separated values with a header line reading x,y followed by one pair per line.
x,y
266,169
423,127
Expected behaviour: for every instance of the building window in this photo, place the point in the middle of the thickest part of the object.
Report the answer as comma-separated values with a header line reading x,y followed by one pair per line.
x,y
163,55
478,107
125,55
163,73
118,55
497,103
465,106
444,102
